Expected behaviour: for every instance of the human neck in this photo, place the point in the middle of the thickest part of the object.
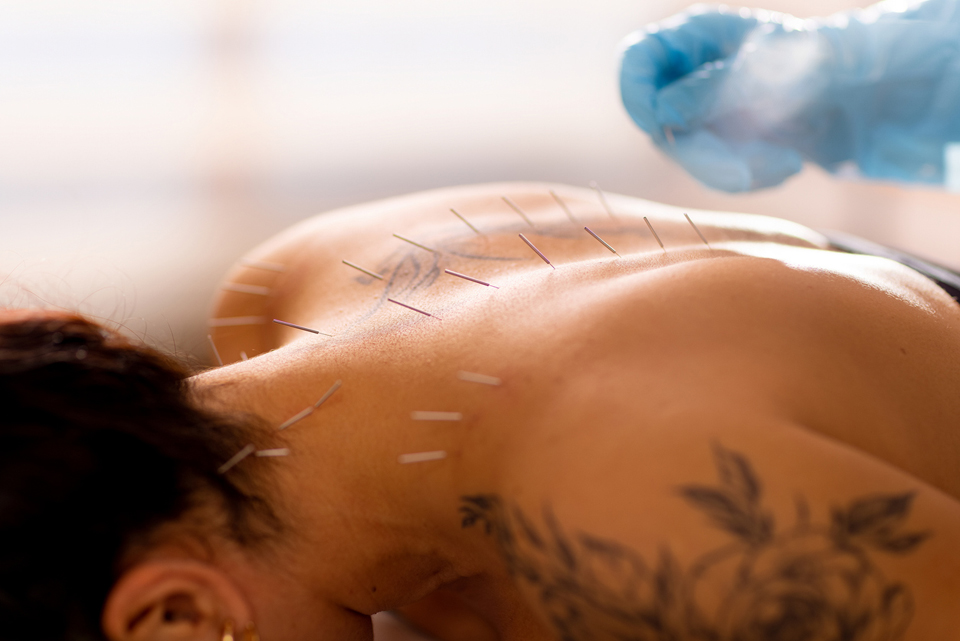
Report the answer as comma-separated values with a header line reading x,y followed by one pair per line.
x,y
368,533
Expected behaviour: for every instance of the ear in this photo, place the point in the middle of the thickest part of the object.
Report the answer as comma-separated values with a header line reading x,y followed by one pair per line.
x,y
173,600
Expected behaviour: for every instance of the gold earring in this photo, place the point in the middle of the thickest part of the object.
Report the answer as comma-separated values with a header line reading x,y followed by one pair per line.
x,y
250,633
227,634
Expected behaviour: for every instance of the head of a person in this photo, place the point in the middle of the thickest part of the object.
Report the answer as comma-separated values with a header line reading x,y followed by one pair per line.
x,y
105,459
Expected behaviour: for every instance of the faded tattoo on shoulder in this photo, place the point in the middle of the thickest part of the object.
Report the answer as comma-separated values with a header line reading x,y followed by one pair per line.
x,y
811,581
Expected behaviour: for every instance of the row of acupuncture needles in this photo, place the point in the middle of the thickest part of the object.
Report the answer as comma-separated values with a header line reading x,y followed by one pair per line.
x,y
606,206
417,415
470,377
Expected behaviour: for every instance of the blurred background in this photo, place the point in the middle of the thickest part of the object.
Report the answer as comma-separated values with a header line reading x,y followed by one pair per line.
x,y
144,146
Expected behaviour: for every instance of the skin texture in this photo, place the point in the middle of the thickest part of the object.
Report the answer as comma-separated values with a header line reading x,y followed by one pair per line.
x,y
624,379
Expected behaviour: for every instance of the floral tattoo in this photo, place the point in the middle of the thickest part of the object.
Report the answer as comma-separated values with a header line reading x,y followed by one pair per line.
x,y
806,583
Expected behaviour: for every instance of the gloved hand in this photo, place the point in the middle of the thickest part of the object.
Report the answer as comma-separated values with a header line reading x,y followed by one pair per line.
x,y
742,98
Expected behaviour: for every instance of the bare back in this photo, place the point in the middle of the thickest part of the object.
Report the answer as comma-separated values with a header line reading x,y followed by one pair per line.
x,y
665,417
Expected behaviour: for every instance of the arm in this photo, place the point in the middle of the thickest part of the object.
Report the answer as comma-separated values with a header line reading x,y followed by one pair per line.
x,y
741,98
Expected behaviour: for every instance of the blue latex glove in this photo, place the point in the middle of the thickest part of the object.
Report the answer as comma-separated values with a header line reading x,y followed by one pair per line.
x,y
742,98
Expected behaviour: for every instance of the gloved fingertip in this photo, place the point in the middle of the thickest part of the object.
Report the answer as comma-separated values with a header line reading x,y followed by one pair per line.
x,y
708,159
640,101
731,178
769,164
767,177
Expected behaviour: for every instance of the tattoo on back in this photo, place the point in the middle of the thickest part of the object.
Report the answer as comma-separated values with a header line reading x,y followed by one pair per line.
x,y
807,582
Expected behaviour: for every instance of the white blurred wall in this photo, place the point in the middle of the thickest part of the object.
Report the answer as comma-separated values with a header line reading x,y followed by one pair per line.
x,y
145,145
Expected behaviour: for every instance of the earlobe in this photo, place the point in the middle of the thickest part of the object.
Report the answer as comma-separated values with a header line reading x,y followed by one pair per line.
x,y
229,633
173,600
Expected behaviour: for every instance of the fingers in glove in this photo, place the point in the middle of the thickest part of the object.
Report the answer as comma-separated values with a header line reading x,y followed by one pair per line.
x,y
733,167
661,54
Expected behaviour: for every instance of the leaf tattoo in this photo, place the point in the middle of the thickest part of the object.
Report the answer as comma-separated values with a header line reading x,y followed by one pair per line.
x,y
735,505
808,583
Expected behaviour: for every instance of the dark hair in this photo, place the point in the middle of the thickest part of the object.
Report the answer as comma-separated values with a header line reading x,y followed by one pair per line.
x,y
99,444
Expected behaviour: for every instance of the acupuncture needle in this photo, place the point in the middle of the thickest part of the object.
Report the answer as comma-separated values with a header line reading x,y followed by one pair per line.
x,y
411,307
655,235
457,214
473,377
365,271
566,209
591,232
246,289
262,264
300,327
470,278
216,352
539,253
697,229
517,209
603,198
421,457
236,458
415,243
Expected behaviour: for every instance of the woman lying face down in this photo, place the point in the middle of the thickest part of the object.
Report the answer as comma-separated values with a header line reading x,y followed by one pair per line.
x,y
703,427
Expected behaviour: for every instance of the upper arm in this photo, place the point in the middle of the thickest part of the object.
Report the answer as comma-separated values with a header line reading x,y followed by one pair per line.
x,y
745,533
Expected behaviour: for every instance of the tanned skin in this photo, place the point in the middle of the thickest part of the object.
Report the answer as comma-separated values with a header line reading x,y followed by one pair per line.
x,y
755,439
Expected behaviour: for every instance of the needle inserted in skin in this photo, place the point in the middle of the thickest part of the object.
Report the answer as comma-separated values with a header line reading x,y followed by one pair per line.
x,y
470,278
328,394
236,458
304,413
396,302
262,264
455,213
299,416
277,451
654,232
563,206
300,327
416,244
513,206
697,229
421,457
365,271
246,289
530,245
232,321
243,356
436,416
603,198
590,231
216,353
472,377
